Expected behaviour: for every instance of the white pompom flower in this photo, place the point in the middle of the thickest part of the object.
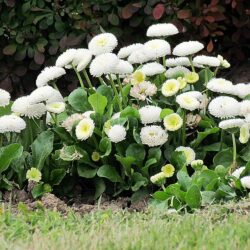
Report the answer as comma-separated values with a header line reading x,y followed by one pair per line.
x,y
223,62
71,121
66,58
117,133
82,59
102,43
176,72
150,114
224,107
153,68
123,67
188,102
245,107
231,123
139,56
49,74
153,136
55,107
178,61
220,85
238,172
187,48
244,133
210,61
4,98
245,182
103,64
172,122
170,87
157,48
85,129
126,51
142,90
241,90
188,152
11,123
161,30
23,107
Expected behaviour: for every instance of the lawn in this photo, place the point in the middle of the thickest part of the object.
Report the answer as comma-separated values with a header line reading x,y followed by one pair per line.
x,y
217,227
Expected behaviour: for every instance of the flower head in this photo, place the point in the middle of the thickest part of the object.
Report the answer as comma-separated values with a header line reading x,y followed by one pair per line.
x,y
188,152
123,67
66,58
85,129
191,77
168,170
153,136
187,48
71,121
207,61
172,122
245,107
49,74
162,29
102,43
223,62
11,123
157,178
103,64
187,101
117,133
177,61
126,51
142,90
170,87
4,98
220,85
238,172
150,114
138,77
34,174
56,107
139,56
157,48
82,59
224,107
153,68
244,133
231,123
176,72
245,182
197,164
182,81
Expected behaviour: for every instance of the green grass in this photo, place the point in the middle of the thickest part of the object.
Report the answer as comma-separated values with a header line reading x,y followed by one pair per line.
x,y
211,229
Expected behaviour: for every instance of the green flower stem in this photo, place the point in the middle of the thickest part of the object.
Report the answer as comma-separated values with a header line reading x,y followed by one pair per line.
x,y
85,73
37,125
101,81
78,76
54,118
184,128
216,71
1,140
221,139
234,165
30,130
116,92
54,85
163,187
120,89
191,63
164,61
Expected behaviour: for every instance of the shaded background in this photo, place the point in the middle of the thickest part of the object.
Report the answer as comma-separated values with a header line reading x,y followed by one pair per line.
x,y
34,32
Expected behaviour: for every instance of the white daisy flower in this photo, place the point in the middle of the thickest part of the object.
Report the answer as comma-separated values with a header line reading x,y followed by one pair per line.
x,y
189,153
245,107
157,48
157,177
123,67
238,172
178,61
115,116
87,114
231,123
151,69
55,107
71,121
224,107
210,61
244,133
82,59
162,29
220,85
11,123
172,122
223,62
138,77
126,51
245,182
49,74
102,43
117,133
142,90
153,136
103,64
139,56
241,90
187,48
23,107
150,114
188,102
170,87
176,71
85,129
45,94
66,58
4,98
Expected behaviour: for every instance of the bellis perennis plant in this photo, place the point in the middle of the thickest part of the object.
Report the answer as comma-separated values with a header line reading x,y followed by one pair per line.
x,y
146,117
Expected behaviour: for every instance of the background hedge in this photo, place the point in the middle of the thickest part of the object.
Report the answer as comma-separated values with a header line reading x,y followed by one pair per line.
x,y
34,32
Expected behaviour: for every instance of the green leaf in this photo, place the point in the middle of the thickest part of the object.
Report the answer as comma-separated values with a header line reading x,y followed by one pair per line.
x,y
106,91
9,50
193,197
98,102
178,159
109,172
148,163
207,177
86,171
138,181
67,153
40,189
184,180
130,111
202,135
166,112
207,197
224,158
99,187
105,146
41,148
161,195
78,100
126,162
137,151
155,153
245,153
8,154
5,110
57,175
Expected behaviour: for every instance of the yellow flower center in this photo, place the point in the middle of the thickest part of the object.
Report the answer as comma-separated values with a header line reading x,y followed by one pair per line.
x,y
168,170
102,42
138,77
